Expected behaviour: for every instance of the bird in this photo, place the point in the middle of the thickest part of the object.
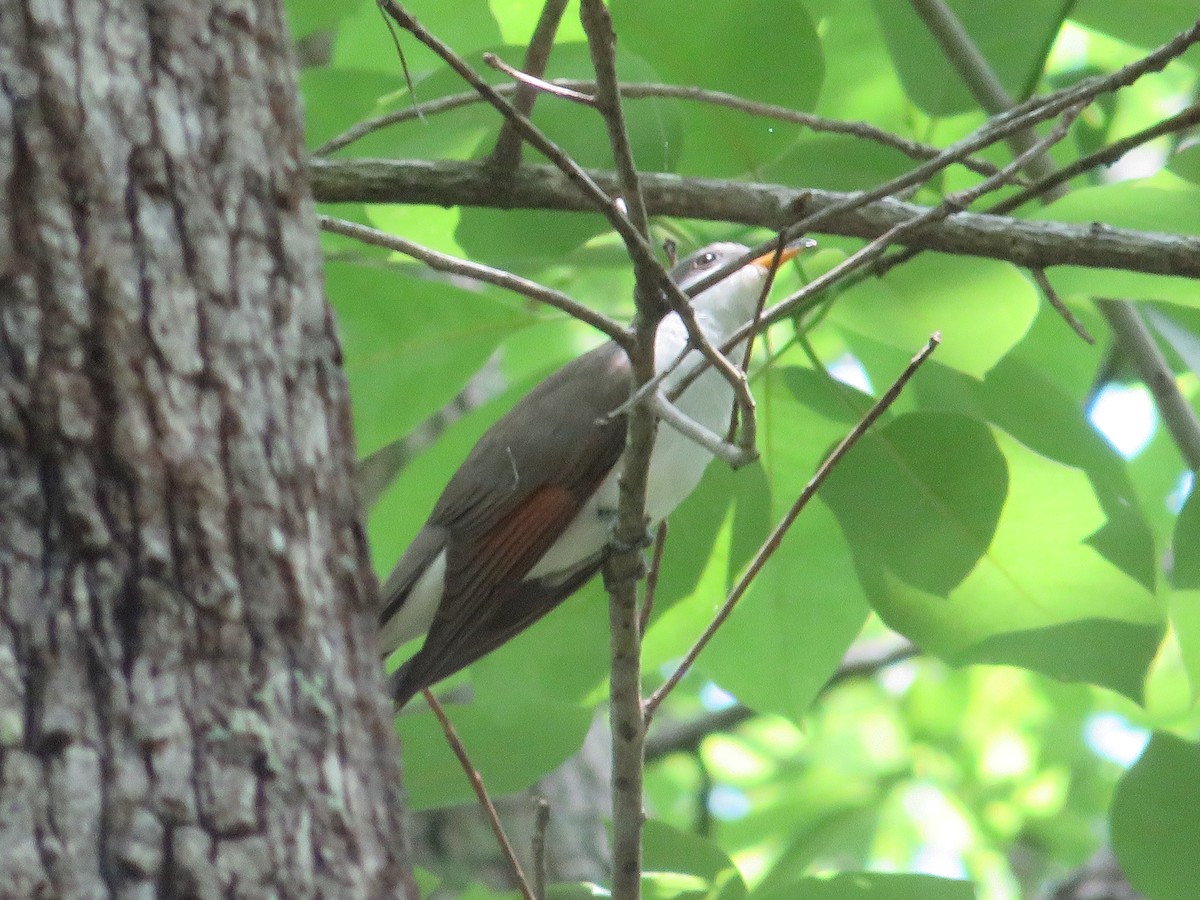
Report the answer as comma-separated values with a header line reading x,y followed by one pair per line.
x,y
524,521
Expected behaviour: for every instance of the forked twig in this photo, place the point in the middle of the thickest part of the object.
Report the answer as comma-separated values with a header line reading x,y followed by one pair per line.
x,y
771,544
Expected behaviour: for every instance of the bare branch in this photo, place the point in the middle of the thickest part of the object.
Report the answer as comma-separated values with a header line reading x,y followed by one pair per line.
x,y
540,823
1056,302
581,91
443,262
538,84
506,155
771,544
734,456
1102,157
481,793
1135,338
1023,242
1131,332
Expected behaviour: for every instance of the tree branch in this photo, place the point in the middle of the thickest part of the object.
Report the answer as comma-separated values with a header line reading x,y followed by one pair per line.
x,y
1129,328
1027,243
444,262
775,538
506,155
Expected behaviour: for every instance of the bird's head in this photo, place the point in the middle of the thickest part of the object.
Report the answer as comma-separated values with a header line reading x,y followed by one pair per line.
x,y
733,300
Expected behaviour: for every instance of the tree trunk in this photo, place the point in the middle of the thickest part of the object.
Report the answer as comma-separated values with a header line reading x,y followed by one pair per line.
x,y
190,697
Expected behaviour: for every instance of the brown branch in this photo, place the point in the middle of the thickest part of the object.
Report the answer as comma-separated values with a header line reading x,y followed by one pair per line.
x,y
771,544
1023,242
506,155
598,199
660,543
952,204
443,262
538,84
1013,121
1056,302
580,92
626,719
481,793
1103,157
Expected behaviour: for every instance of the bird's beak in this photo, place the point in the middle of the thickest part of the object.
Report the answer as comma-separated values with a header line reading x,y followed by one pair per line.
x,y
776,258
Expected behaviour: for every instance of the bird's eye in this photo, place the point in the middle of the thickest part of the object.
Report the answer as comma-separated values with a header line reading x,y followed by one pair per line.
x,y
705,259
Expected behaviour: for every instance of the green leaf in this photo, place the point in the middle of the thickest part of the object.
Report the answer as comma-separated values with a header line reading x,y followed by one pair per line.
x,y
981,308
929,500
1145,24
1029,403
972,580
871,886
1156,819
511,745
682,44
679,864
678,44
412,343
1185,622
805,607
1015,55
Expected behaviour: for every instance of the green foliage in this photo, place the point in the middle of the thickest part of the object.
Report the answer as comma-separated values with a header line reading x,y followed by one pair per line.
x,y
1050,582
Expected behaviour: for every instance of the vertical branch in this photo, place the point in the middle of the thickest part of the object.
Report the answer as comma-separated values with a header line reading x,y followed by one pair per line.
x,y
506,155
602,43
625,566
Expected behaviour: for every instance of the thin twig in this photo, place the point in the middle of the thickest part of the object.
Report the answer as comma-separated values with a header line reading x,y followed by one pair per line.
x,y
575,89
443,262
1102,157
952,204
481,793
506,155
771,544
731,454
1020,117
538,84
761,302
1051,295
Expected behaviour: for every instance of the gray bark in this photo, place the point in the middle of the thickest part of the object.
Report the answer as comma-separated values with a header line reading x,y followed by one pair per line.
x,y
190,699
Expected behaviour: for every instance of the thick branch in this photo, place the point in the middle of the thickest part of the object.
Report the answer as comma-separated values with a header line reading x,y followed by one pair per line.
x,y
1022,242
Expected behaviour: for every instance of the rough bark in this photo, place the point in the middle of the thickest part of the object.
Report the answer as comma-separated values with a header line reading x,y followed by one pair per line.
x,y
189,690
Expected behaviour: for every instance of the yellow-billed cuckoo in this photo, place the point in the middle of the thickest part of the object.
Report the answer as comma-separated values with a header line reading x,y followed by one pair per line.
x,y
524,522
